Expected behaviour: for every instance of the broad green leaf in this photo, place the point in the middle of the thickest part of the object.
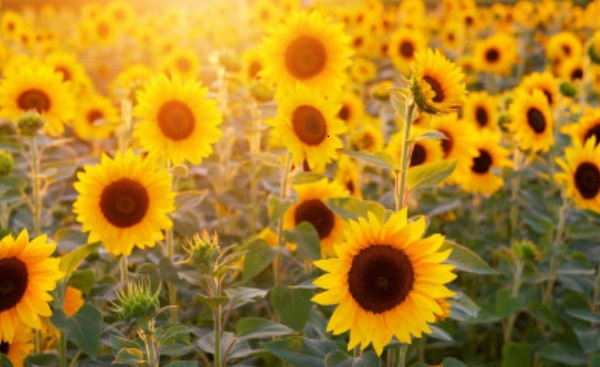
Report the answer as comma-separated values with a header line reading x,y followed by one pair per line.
x,y
83,280
42,360
431,135
71,261
506,305
453,362
117,343
189,200
259,256
277,207
307,239
463,308
353,208
302,352
562,353
12,183
182,364
466,260
339,358
516,355
83,328
240,296
231,346
259,328
307,177
595,361
129,356
293,305
4,361
172,334
379,159
584,315
440,334
542,314
430,174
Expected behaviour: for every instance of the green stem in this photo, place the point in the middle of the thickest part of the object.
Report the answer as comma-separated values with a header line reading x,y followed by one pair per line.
x,y
555,249
171,288
596,298
401,194
282,195
217,311
62,350
123,269
402,355
517,281
35,183
254,149
357,351
152,357
514,193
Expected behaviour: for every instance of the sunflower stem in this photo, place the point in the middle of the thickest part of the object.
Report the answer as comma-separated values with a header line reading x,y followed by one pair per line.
x,y
596,297
401,194
283,195
124,269
217,315
555,249
254,150
37,216
149,338
62,350
517,281
402,355
514,193
170,244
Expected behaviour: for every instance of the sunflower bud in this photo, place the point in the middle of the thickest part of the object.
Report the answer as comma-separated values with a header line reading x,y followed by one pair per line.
x,y
230,62
382,90
527,251
136,301
568,90
203,252
261,91
6,163
29,123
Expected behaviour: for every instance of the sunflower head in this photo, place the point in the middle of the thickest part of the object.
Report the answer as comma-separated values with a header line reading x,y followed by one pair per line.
x,y
436,83
6,163
531,121
136,302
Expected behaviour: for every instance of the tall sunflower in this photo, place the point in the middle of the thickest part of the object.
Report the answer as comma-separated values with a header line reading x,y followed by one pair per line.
x,y
581,173
35,86
386,280
308,125
587,127
437,83
531,121
21,346
308,49
27,274
177,120
403,47
124,202
310,208
481,111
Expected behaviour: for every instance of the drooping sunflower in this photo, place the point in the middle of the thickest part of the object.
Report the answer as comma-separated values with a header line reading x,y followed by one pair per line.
x,y
496,54
531,121
309,49
27,274
311,208
182,61
581,173
482,174
308,125
21,346
545,82
124,202
437,83
96,117
386,280
481,111
353,109
403,47
39,88
177,120
587,127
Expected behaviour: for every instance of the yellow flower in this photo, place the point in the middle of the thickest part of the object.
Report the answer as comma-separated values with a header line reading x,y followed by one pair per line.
x,y
422,152
362,70
352,111
531,121
587,126
544,82
73,301
481,111
496,54
21,346
386,280
367,137
181,61
348,175
404,45
96,118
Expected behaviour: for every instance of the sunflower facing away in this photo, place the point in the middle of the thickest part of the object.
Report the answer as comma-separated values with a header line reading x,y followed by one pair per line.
x,y
531,121
386,280
37,87
582,173
177,122
124,202
27,274
437,83
21,346
587,126
307,49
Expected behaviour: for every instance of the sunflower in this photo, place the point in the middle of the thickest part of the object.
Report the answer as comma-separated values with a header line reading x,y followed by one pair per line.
x,y
481,111
310,208
363,70
182,61
422,152
386,280
403,47
367,137
362,42
496,54
563,45
307,49
308,125
96,117
353,109
101,30
587,127
572,69
453,36
347,174
122,14
71,70
27,274
480,176
21,346
73,301
264,14
545,82
437,84
177,120
531,121
11,24
124,202
252,64
34,86
131,79
582,173
459,137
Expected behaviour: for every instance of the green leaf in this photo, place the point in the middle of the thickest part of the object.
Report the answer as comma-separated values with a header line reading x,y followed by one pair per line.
x,y
440,334
83,328
507,305
453,362
307,239
466,260
562,353
212,302
267,159
584,315
71,261
516,355
129,356
277,207
302,352
4,361
189,200
339,358
259,256
240,296
353,208
307,177
83,280
542,314
431,135
463,308
173,334
293,305
430,174
595,361
42,360
379,159
182,364
117,343
257,328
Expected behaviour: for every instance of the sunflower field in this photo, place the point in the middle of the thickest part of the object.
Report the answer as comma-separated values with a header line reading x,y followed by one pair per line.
x,y
287,183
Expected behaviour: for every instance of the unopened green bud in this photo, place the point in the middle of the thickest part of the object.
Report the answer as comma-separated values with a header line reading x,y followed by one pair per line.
x,y
29,123
6,163
567,89
261,91
136,301
527,251
203,251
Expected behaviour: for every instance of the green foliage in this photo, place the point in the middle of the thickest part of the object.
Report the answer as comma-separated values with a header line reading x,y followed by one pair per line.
x,y
300,352
429,175
293,304
517,355
259,256
339,358
83,328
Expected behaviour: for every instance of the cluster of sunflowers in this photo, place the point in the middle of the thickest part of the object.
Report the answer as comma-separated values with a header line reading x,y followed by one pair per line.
x,y
368,148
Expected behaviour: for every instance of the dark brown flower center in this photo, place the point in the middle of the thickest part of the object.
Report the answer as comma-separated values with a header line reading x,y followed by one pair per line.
x,y
482,117
566,49
65,72
183,64
103,29
254,69
34,99
437,88
316,213
358,41
447,144
309,125
593,131
536,120
380,278
492,55
94,115
344,113
124,203
587,180
407,49
483,163
305,57
13,282
176,120
418,155
577,74
548,96
4,347
350,186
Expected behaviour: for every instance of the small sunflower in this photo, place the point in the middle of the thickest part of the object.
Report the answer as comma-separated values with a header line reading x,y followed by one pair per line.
x,y
101,30
582,173
71,69
177,120
310,208
367,137
130,80
308,125
587,127
531,121
386,280
27,274
496,54
353,109
563,45
363,70
37,87
124,202
96,118
307,49
545,82
252,64
21,346
403,47
348,175
572,70
481,111
422,152
11,24
182,61
437,84
453,36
